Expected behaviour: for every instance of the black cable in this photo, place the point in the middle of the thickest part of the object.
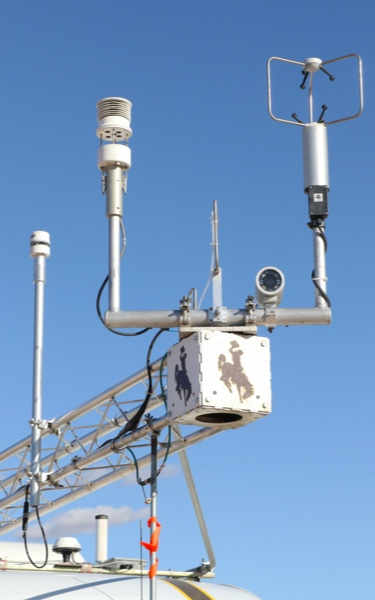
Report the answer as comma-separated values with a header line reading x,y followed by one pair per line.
x,y
101,317
135,420
321,291
325,242
323,236
25,522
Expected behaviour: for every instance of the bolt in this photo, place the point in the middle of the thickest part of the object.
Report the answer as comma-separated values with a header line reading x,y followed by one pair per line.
x,y
207,336
264,405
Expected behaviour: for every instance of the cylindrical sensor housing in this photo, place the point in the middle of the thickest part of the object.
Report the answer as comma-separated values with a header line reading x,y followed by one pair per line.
x,y
315,155
40,244
114,154
101,538
114,117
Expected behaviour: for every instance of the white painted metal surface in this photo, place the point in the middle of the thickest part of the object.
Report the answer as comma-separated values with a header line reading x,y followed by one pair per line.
x,y
93,586
219,379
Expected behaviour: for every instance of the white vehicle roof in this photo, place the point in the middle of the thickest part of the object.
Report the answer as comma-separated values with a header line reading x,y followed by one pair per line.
x,y
92,586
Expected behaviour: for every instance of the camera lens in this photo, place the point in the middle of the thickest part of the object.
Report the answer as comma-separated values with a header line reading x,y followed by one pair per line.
x,y
270,280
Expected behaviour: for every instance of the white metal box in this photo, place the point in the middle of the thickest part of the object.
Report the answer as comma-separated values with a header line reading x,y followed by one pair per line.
x,y
219,379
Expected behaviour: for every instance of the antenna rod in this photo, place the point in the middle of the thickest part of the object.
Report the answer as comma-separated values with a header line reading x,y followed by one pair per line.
x,y
218,311
153,524
39,251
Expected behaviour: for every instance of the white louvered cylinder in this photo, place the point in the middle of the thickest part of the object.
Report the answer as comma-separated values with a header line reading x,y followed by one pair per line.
x,y
114,117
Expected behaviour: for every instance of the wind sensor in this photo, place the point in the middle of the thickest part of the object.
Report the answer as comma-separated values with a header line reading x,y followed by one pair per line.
x,y
315,154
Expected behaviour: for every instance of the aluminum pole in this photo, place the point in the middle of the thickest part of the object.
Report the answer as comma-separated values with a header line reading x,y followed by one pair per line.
x,y
235,317
196,504
114,214
320,267
153,524
39,250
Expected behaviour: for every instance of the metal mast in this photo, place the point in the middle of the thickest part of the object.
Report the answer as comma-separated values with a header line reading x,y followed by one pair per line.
x,y
39,251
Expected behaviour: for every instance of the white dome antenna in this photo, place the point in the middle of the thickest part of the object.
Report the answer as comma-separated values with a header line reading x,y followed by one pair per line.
x,y
67,546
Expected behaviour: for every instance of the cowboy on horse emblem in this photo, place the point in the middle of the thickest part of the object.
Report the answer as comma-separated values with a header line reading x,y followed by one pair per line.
x,y
233,374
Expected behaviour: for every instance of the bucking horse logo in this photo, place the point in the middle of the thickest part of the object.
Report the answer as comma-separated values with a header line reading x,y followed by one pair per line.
x,y
183,385
233,374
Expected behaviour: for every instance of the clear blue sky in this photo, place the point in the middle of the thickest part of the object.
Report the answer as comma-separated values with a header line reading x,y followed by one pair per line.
x,y
289,500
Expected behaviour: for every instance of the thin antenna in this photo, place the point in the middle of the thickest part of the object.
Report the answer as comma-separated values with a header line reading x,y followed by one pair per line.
x,y
217,294
153,523
141,555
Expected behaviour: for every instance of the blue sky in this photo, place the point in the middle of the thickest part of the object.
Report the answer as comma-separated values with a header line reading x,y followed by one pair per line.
x,y
288,500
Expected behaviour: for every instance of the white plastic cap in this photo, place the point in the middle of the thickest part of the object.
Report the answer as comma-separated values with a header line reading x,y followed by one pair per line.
x,y
40,244
67,543
312,64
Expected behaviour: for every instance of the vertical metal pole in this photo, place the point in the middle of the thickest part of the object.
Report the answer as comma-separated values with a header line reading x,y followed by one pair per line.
x,y
153,486
216,278
319,266
114,213
218,312
39,250
311,106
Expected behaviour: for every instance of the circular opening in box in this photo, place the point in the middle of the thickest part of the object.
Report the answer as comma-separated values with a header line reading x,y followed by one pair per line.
x,y
219,418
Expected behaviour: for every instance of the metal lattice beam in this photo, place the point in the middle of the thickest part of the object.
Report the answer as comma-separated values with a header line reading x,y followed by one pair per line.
x,y
75,459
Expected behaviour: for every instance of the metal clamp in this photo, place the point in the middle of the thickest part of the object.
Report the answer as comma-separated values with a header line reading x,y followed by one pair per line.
x,y
218,314
185,305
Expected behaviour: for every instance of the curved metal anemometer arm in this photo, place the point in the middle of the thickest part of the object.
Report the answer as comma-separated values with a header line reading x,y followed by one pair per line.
x,y
310,66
